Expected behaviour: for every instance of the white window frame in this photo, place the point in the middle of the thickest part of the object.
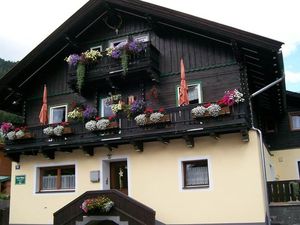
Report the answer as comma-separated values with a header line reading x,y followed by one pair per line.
x,y
96,47
200,100
181,174
55,107
111,42
291,114
36,188
141,37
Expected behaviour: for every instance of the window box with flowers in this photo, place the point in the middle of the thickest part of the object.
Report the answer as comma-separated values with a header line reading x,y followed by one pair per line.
x,y
79,61
57,130
9,132
221,107
100,205
103,125
152,119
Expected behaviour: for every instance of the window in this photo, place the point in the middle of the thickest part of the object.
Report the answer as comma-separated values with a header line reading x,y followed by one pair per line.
x,y
141,37
116,42
194,93
105,108
98,48
60,178
294,120
58,114
195,173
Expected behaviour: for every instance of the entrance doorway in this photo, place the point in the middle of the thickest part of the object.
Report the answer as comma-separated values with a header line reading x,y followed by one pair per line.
x,y
119,176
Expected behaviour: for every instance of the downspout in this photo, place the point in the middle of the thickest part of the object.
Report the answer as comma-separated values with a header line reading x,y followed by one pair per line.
x,y
259,133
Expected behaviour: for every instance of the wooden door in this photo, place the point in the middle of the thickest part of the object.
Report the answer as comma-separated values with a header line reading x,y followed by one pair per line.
x,y
118,176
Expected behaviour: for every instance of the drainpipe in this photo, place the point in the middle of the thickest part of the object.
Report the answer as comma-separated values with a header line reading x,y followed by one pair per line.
x,y
259,133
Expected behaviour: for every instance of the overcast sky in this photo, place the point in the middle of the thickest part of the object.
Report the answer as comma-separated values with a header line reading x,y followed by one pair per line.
x,y
25,23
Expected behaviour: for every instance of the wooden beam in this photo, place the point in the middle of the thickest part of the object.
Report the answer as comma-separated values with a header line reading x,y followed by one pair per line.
x,y
88,150
138,146
48,154
245,135
189,140
164,140
14,157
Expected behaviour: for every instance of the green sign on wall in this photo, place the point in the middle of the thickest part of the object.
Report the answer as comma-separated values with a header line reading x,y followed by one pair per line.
x,y
20,179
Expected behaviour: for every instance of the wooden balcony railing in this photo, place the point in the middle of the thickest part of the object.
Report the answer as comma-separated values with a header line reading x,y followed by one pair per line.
x,y
127,208
178,123
284,191
108,68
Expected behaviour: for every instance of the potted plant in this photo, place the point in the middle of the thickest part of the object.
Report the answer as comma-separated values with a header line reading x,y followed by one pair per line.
x,y
97,206
57,129
149,117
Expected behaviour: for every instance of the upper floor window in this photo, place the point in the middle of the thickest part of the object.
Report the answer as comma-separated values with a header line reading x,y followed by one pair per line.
x,y
58,114
195,173
294,118
117,42
97,48
194,93
60,178
120,41
141,37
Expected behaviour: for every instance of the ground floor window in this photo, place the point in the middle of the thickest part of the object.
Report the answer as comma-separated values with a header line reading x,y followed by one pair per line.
x,y
195,173
61,178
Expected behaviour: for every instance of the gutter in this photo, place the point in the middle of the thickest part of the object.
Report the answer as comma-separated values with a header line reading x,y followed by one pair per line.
x,y
259,133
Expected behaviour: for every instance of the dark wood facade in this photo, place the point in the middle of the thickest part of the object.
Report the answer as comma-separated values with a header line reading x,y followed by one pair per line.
x,y
218,57
280,135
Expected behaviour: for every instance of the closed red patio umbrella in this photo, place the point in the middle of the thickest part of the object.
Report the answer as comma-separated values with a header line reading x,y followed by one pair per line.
x,y
44,110
183,90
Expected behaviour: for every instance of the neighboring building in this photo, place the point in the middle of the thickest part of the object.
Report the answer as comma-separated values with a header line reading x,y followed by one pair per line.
x,y
206,170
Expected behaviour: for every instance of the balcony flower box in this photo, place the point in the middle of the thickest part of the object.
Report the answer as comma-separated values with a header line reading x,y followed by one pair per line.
x,y
102,126
57,130
204,112
155,120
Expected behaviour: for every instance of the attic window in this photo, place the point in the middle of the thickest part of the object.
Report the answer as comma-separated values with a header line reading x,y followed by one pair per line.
x,y
294,118
97,48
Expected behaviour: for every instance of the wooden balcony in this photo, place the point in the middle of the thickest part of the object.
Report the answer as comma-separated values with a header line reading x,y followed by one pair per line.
x,y
144,65
178,123
286,191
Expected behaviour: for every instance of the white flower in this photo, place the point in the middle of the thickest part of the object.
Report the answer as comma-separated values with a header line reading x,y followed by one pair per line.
x,y
140,119
116,108
156,117
48,131
91,125
20,134
198,111
109,51
102,124
11,135
75,114
214,110
58,130
238,96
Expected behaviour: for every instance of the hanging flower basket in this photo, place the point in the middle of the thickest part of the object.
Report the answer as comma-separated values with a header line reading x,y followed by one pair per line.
x,y
57,130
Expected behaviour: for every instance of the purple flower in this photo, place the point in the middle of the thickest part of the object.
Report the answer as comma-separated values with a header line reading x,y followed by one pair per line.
x,y
136,46
89,112
137,107
116,53
73,59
